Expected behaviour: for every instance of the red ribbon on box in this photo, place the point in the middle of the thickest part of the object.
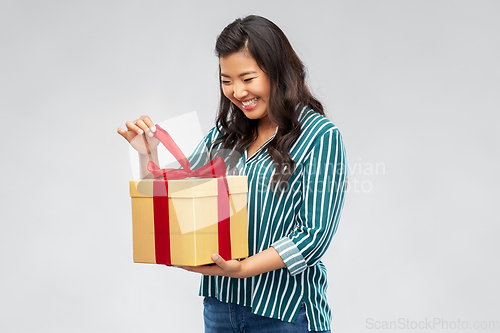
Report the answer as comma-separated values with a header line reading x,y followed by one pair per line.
x,y
214,169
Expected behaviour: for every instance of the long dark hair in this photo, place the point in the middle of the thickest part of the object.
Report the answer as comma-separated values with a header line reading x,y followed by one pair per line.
x,y
272,51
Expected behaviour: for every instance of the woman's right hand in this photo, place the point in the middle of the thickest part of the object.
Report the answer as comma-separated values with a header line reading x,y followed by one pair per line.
x,y
134,134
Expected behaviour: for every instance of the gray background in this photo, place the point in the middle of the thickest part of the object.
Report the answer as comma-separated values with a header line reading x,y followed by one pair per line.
x,y
413,86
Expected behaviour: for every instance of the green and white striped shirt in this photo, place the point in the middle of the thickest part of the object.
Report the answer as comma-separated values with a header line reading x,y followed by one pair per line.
x,y
298,222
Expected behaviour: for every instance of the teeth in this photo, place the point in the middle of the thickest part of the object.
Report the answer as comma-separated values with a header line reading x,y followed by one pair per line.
x,y
250,102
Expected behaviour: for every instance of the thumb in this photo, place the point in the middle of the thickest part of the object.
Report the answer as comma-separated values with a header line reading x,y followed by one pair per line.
x,y
219,260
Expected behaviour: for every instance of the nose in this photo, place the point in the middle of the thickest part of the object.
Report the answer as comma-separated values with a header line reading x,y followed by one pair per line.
x,y
239,91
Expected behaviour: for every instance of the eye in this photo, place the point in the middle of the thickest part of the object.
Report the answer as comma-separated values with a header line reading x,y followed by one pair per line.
x,y
226,82
248,80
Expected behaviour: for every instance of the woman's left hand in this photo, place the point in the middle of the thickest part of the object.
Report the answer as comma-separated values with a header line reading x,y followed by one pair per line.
x,y
231,268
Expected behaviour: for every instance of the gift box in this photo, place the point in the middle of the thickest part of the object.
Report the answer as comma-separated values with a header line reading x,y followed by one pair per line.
x,y
185,226
184,216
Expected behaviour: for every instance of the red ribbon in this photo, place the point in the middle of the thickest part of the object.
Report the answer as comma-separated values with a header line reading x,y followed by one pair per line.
x,y
214,169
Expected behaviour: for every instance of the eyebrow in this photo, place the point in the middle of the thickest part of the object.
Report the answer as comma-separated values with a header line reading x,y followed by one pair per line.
x,y
242,74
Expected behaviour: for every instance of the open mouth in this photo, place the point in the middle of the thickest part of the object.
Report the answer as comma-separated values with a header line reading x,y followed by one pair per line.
x,y
250,104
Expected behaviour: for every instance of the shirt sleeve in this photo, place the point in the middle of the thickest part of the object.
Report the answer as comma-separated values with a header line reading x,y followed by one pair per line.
x,y
323,188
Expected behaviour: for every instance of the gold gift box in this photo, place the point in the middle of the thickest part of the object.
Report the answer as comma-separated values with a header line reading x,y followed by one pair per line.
x,y
193,220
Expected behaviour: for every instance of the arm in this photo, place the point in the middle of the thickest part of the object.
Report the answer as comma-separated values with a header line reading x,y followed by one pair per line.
x,y
323,193
137,132
323,186
143,163
262,262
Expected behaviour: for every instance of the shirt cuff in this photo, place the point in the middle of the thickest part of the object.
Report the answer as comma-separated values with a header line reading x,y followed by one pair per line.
x,y
291,256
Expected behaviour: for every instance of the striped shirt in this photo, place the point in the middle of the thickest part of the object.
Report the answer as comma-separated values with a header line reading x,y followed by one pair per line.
x,y
298,222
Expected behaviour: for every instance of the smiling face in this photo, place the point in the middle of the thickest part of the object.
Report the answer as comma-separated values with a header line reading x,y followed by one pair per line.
x,y
245,84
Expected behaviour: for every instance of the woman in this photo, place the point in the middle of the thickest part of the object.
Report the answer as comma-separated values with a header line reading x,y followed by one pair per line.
x,y
271,129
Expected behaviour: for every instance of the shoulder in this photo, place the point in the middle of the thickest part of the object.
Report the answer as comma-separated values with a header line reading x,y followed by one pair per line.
x,y
318,133
213,134
314,126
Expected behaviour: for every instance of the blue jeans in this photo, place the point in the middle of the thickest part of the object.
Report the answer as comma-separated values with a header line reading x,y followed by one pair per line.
x,y
228,317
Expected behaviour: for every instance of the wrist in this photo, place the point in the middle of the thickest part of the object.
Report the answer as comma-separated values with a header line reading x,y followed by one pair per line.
x,y
244,270
151,152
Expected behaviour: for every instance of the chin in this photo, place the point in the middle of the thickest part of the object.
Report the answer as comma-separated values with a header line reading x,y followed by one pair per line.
x,y
253,116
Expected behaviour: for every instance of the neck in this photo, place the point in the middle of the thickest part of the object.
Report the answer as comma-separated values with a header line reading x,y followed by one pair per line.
x,y
265,125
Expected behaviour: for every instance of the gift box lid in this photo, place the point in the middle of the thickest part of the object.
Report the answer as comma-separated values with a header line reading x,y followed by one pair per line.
x,y
189,187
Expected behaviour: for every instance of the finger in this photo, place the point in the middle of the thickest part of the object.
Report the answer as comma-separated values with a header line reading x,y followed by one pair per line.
x,y
144,127
121,131
133,127
149,123
128,135
219,260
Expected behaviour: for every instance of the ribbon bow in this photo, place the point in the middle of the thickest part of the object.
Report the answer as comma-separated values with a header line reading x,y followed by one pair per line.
x,y
213,169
